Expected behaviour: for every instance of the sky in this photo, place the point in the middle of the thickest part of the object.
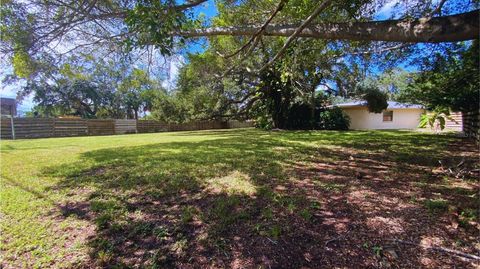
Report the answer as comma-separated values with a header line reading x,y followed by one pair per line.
x,y
209,10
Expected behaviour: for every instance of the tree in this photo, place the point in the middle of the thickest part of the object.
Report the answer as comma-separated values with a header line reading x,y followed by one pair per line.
x,y
247,53
394,81
153,21
93,88
449,80
137,92
443,29
33,27
77,98
375,98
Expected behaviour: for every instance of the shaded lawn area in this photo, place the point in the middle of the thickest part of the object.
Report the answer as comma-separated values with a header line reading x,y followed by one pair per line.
x,y
238,199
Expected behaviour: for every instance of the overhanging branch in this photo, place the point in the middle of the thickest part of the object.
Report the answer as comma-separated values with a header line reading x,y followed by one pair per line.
x,y
459,27
297,31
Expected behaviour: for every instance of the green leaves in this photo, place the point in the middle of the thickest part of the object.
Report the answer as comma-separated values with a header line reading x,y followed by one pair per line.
x,y
450,79
376,99
23,65
152,22
436,118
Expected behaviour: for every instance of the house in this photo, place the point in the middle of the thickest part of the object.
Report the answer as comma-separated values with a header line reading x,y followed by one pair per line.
x,y
396,116
8,106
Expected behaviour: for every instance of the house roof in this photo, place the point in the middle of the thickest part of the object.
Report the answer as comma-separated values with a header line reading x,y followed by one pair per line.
x,y
391,105
7,101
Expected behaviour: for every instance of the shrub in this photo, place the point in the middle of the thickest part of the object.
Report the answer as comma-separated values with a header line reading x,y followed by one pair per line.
x,y
300,117
436,119
376,100
264,122
333,119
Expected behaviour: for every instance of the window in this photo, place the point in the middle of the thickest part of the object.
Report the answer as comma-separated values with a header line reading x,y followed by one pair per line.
x,y
388,116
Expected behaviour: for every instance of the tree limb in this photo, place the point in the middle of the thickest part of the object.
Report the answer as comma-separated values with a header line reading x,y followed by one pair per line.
x,y
297,31
439,8
459,27
189,4
259,32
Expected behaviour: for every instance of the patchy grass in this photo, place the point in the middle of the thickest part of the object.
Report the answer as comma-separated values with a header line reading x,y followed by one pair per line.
x,y
233,183
237,198
436,205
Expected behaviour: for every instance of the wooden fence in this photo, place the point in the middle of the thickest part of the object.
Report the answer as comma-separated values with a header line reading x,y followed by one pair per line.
x,y
471,124
62,127
455,122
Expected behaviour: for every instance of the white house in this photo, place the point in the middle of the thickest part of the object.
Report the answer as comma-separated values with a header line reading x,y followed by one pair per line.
x,y
396,116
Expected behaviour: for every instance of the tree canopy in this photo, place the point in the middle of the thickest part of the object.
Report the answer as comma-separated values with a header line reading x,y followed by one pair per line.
x,y
259,58
449,80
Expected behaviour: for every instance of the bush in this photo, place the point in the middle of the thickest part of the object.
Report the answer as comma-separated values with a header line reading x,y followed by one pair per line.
x,y
376,100
264,122
333,119
300,117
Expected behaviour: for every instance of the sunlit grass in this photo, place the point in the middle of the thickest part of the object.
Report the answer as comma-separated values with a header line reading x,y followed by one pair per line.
x,y
233,183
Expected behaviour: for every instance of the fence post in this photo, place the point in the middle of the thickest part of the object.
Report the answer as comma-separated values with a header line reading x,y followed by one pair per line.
x,y
54,127
12,126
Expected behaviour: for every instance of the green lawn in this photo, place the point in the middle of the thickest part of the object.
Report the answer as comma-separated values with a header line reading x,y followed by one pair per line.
x,y
236,198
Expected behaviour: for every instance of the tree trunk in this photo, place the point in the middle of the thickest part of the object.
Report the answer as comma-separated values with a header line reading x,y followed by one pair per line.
x,y
459,27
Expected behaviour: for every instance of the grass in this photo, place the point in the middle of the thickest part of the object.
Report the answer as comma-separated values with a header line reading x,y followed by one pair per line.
x,y
167,199
436,205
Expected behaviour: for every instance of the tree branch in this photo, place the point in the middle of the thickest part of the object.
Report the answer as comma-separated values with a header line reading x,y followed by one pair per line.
x,y
441,249
189,4
439,8
259,32
297,31
459,27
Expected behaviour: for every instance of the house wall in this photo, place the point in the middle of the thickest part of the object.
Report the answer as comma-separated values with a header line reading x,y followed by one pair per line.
x,y
360,118
8,106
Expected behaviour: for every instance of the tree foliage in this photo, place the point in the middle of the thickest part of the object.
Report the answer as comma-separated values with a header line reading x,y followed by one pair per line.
x,y
435,119
377,100
93,88
449,80
222,80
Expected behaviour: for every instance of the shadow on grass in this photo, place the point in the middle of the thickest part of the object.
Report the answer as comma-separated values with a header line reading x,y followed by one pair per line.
x,y
251,198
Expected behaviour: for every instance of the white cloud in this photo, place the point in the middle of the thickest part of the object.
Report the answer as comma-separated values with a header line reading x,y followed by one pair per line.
x,y
387,9
395,8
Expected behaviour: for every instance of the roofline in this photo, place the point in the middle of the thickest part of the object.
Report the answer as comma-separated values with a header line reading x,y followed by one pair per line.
x,y
388,108
405,106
